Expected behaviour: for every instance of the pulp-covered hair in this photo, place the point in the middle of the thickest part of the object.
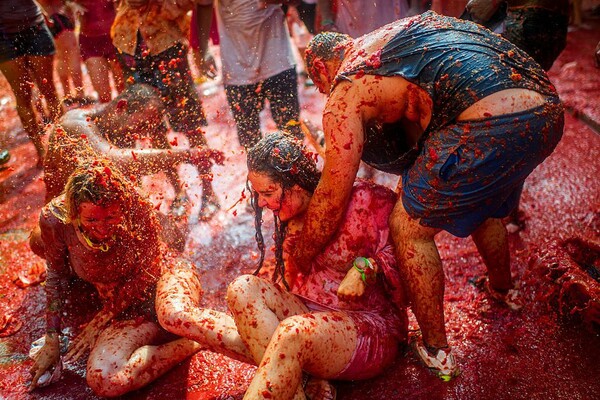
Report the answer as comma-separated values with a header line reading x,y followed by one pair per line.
x,y
135,98
326,46
99,182
284,159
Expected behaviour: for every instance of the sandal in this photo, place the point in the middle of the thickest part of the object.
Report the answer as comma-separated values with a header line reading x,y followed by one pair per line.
x,y
511,298
442,363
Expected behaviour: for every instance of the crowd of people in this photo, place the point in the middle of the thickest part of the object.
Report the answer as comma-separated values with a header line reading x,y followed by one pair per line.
x,y
461,115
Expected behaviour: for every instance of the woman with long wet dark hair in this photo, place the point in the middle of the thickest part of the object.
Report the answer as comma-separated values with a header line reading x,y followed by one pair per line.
x,y
337,303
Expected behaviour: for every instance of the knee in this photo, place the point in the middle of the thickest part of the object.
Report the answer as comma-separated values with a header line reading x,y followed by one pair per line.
x,y
290,335
104,383
177,297
241,291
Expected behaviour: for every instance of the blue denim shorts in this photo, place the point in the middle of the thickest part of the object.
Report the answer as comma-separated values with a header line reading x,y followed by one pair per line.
x,y
470,171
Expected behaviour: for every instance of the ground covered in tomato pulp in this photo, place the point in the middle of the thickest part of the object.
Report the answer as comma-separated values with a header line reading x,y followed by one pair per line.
x,y
547,350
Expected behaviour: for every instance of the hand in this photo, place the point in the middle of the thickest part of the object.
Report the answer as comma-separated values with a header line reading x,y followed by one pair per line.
x,y
86,339
352,286
47,357
209,66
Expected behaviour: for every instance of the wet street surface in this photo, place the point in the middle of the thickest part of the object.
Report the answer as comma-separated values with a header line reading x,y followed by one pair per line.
x,y
547,350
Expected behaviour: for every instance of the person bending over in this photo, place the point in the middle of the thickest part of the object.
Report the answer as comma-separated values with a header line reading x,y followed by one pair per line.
x,y
462,116
151,38
112,130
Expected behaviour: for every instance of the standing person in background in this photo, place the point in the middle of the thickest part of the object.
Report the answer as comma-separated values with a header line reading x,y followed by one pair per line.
x,y
61,21
203,57
358,17
537,26
257,65
151,38
26,57
96,47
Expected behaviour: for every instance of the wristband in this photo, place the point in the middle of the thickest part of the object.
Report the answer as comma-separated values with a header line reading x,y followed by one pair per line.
x,y
362,271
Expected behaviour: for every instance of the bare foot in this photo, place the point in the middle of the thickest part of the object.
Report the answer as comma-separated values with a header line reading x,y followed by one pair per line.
x,y
180,205
319,389
210,206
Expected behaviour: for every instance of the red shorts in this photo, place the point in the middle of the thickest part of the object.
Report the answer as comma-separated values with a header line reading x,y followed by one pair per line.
x,y
97,46
378,337
376,346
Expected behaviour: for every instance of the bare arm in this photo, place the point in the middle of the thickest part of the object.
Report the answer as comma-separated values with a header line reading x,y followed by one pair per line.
x,y
204,19
128,160
342,123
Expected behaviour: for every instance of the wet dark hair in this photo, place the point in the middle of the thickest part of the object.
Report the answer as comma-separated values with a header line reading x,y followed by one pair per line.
x,y
283,158
326,46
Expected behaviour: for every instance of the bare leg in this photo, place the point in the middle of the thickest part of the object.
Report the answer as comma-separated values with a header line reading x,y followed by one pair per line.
x,y
21,81
42,70
210,202
117,74
123,358
178,297
300,342
491,241
421,268
98,69
257,307
69,63
161,141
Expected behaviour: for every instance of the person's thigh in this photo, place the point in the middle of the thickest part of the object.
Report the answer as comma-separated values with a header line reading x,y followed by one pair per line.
x,y
116,344
315,337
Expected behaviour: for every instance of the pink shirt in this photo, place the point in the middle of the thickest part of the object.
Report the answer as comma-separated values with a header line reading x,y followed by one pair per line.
x,y
364,232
